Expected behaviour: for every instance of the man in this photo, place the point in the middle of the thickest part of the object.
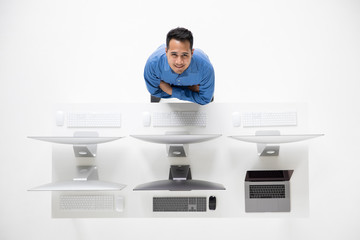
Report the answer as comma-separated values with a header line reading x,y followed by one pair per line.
x,y
179,71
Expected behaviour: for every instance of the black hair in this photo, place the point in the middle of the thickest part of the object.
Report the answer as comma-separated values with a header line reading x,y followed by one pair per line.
x,y
180,34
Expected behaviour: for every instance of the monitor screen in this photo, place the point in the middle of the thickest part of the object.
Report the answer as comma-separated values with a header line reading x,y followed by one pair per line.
x,y
177,138
275,139
268,175
183,185
180,179
76,140
89,185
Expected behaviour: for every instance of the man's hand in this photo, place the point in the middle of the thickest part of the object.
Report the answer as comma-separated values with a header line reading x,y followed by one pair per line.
x,y
166,87
194,88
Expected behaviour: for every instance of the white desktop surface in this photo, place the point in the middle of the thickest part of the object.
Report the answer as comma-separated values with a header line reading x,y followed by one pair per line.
x,y
222,160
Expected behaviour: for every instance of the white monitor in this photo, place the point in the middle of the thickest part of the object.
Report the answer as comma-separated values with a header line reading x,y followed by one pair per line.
x,y
87,179
172,138
265,138
84,143
176,143
71,185
75,140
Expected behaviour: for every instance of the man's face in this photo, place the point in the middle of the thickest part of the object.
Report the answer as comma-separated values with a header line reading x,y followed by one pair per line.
x,y
179,55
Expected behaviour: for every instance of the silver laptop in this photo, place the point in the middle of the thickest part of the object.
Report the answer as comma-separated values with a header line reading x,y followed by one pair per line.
x,y
267,190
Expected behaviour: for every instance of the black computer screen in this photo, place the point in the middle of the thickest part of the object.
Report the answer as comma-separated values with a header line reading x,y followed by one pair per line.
x,y
266,174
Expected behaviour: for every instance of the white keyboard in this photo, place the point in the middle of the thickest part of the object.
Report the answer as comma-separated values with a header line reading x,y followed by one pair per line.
x,y
179,119
269,119
90,120
87,202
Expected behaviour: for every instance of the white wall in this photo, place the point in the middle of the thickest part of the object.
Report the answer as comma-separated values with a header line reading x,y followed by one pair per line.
x,y
262,51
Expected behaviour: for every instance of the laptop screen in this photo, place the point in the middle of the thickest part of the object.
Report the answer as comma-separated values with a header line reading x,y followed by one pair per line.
x,y
268,175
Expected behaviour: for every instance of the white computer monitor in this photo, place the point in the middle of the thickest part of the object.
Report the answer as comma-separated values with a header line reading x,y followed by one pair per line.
x,y
84,143
75,140
265,140
176,143
87,179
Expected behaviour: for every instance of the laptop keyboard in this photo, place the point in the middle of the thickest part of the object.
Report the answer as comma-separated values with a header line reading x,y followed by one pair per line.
x,y
267,191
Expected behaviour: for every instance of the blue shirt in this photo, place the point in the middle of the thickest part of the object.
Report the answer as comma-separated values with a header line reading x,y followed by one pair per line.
x,y
200,71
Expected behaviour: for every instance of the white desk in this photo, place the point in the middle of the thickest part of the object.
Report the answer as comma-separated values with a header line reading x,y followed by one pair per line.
x,y
223,160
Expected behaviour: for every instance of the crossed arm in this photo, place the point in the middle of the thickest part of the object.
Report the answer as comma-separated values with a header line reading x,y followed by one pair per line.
x,y
166,87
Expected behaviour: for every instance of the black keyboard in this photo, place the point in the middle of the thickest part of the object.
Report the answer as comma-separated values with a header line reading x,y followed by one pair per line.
x,y
267,191
179,204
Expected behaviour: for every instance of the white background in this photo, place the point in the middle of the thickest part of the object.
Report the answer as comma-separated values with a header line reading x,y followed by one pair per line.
x,y
262,51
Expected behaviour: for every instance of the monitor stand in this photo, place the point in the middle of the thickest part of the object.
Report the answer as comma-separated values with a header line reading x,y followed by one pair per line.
x,y
266,150
177,150
85,173
88,150
180,172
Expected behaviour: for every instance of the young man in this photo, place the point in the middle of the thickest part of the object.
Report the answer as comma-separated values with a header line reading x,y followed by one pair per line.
x,y
179,71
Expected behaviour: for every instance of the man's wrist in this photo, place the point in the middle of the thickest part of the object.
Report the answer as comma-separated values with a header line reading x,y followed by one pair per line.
x,y
166,87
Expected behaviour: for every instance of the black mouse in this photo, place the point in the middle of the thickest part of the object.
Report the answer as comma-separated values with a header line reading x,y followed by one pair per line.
x,y
212,202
